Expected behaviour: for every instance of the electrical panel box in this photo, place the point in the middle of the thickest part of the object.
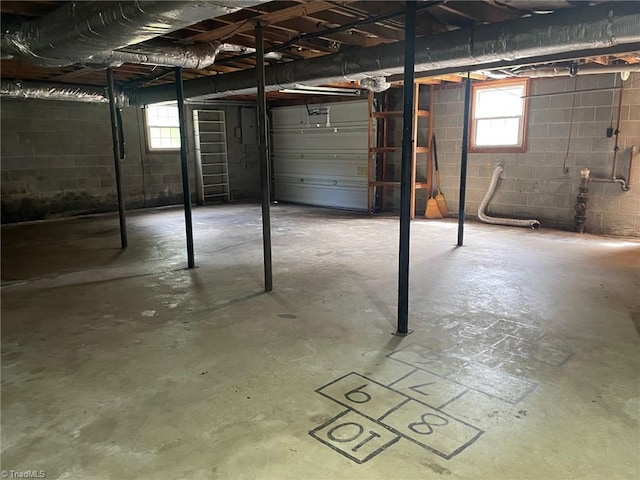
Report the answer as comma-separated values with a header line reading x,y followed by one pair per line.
x,y
249,123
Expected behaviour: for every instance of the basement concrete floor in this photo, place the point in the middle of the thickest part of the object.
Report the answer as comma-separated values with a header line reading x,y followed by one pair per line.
x,y
524,363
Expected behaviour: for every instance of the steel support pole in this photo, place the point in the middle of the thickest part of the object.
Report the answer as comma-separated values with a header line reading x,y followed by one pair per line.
x,y
463,160
405,179
265,176
186,193
116,157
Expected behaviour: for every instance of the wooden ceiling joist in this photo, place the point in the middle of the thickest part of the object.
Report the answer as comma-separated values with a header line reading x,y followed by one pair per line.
x,y
269,18
290,22
341,18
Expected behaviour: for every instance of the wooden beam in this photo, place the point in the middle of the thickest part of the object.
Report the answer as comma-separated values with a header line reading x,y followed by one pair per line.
x,y
598,60
479,12
275,35
366,9
299,50
458,77
428,81
27,9
269,18
450,78
629,57
339,17
304,25
73,75
432,24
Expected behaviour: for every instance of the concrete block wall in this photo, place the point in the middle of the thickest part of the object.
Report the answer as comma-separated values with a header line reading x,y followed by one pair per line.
x,y
536,184
57,160
244,159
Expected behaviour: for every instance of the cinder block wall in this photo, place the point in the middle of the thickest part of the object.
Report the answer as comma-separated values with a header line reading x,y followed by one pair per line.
x,y
534,184
244,159
57,160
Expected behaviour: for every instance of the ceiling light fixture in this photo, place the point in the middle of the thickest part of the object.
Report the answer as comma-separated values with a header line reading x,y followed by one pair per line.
x,y
303,89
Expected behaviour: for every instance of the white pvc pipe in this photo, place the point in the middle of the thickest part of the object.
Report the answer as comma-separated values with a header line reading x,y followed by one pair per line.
x,y
511,222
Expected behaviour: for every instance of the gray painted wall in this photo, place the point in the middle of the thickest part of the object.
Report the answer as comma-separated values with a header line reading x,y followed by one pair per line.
x,y
57,160
534,184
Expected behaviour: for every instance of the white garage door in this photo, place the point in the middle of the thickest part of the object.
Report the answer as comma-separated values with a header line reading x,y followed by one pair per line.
x,y
320,154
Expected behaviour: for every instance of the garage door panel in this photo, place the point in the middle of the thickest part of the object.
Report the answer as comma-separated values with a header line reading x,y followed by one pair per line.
x,y
332,167
322,194
322,165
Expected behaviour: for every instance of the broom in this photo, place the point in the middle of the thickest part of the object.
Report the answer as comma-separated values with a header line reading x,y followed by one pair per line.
x,y
442,205
432,211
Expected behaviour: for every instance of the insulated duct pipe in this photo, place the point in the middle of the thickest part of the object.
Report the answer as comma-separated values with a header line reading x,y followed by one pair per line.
x,y
561,33
56,91
169,54
512,222
89,32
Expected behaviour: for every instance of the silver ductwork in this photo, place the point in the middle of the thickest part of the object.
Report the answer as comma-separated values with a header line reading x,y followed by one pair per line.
x,y
197,56
511,222
89,32
55,91
561,33
166,53
375,84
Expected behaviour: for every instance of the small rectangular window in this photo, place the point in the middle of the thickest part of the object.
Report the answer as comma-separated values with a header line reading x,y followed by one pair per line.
x,y
163,127
499,116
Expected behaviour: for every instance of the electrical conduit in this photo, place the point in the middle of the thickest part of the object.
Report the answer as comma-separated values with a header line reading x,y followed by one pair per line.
x,y
512,222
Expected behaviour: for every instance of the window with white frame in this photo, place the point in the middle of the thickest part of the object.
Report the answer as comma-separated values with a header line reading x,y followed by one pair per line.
x,y
498,116
163,127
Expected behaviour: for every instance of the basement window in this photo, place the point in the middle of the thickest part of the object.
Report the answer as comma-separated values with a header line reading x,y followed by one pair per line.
x,y
499,116
163,127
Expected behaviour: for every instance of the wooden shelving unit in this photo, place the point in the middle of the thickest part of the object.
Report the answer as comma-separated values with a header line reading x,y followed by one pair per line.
x,y
381,183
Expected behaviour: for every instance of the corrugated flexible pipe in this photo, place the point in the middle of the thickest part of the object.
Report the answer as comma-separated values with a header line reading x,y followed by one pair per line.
x,y
511,222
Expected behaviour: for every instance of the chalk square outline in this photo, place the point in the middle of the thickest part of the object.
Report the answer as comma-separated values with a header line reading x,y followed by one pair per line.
x,y
351,407
393,430
347,455
534,385
439,407
427,447
422,368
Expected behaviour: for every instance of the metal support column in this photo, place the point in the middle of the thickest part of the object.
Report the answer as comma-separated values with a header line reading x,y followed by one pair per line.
x,y
186,193
115,137
265,176
463,162
405,179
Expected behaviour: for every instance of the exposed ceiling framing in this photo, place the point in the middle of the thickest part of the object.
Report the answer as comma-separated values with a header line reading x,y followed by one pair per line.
x,y
306,29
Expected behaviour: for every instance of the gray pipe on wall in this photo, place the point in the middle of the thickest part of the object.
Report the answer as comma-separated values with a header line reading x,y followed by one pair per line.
x,y
562,32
